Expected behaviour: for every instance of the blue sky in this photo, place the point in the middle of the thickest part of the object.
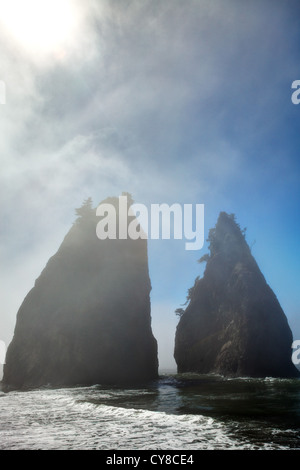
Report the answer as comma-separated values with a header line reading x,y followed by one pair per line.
x,y
175,102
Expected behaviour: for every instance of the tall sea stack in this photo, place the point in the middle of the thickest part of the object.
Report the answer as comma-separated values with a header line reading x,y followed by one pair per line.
x,y
87,319
233,324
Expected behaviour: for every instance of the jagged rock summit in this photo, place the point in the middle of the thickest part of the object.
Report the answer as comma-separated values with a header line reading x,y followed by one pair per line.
x,y
87,319
233,324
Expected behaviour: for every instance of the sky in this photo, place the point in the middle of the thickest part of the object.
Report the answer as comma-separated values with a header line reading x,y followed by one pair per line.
x,y
174,101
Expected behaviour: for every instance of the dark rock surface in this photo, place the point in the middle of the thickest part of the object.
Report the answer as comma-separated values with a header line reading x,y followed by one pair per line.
x,y
233,324
87,319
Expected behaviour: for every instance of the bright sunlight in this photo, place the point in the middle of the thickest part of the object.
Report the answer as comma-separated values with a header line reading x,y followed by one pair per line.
x,y
41,26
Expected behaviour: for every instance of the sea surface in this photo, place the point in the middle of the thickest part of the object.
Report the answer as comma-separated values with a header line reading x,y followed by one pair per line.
x,y
187,412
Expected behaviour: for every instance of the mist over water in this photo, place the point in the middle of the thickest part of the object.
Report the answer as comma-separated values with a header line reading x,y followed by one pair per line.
x,y
175,412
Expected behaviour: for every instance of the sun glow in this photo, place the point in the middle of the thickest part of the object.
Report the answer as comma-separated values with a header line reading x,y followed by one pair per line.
x,y
40,26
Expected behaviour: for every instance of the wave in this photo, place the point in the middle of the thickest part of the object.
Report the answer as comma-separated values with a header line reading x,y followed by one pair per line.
x,y
127,428
72,419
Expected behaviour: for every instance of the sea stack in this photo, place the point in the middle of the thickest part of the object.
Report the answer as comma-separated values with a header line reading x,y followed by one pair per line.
x,y
87,319
233,324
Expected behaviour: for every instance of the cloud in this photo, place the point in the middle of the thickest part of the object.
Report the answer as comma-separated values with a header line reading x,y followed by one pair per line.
x,y
171,101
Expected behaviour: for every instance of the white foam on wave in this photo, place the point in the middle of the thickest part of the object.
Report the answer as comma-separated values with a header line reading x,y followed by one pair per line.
x,y
63,419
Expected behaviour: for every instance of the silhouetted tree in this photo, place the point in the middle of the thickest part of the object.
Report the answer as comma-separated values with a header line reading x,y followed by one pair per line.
x,y
86,208
191,290
179,312
204,258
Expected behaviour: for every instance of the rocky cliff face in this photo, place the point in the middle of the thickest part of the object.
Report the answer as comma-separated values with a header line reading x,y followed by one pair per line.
x,y
87,319
233,324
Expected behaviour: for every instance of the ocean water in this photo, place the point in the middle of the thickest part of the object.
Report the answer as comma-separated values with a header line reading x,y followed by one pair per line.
x,y
187,412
